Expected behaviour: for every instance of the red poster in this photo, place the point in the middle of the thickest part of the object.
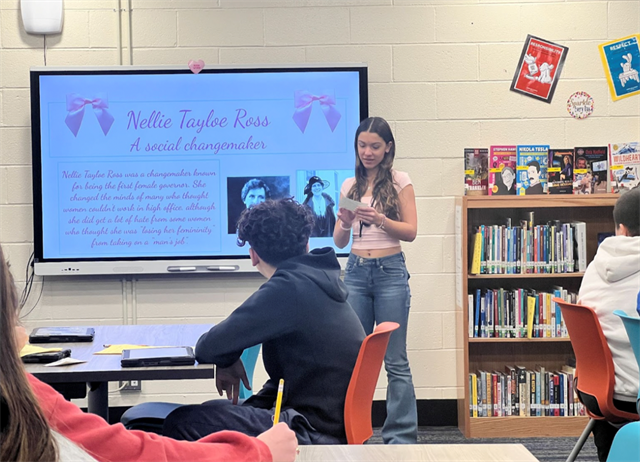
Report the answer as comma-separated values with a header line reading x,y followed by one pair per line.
x,y
539,68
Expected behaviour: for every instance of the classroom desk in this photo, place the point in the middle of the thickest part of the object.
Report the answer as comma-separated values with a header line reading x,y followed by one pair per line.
x,y
416,453
99,370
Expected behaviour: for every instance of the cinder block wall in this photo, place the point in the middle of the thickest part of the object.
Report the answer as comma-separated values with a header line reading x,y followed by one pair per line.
x,y
440,72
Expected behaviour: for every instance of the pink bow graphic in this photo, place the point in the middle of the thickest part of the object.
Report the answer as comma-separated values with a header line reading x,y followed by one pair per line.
x,y
303,100
75,106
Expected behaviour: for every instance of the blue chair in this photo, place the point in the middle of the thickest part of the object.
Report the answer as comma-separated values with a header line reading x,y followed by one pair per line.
x,y
626,444
632,326
150,416
249,358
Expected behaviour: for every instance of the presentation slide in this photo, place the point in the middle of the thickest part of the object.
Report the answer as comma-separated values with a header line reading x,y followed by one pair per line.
x,y
162,165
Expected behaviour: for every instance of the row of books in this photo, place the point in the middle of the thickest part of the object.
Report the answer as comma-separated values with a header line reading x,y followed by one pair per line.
x,y
554,247
540,169
517,313
522,392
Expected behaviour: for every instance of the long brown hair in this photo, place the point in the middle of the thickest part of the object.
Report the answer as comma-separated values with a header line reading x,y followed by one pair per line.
x,y
25,432
385,196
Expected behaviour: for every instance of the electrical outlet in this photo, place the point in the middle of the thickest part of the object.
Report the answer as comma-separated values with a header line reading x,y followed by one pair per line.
x,y
130,385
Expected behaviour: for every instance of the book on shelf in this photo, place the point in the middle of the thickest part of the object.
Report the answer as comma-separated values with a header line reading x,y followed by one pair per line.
x,y
476,171
560,171
533,161
522,391
506,249
502,170
580,248
503,313
590,170
624,162
473,395
519,391
512,373
476,255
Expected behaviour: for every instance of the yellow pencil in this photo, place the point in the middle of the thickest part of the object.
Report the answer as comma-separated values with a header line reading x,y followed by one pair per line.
x,y
276,417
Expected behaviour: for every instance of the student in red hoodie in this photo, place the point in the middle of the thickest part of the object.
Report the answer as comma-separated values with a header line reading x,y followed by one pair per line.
x,y
32,412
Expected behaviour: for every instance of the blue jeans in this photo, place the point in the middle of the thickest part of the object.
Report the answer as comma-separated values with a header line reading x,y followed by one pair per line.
x,y
379,292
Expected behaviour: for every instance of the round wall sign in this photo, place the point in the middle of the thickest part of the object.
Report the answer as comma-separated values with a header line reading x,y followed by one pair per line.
x,y
580,105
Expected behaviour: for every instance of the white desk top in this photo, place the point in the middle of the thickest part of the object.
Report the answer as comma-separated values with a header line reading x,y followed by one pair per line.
x,y
417,453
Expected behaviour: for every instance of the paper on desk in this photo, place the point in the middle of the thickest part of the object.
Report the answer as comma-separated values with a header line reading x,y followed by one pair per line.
x,y
29,349
117,349
65,362
350,204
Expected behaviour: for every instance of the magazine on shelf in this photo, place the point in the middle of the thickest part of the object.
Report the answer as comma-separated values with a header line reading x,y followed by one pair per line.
x,y
532,169
624,164
590,170
502,170
560,171
476,171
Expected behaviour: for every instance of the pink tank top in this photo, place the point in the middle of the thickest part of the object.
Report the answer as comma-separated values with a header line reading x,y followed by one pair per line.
x,y
372,236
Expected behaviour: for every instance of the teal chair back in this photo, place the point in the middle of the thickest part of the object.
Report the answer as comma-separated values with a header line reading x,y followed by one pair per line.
x,y
249,358
632,326
626,444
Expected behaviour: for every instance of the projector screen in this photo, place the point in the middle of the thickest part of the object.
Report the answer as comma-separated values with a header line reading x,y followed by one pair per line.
x,y
139,170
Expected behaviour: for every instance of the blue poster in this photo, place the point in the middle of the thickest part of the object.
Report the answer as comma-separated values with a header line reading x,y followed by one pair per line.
x,y
621,61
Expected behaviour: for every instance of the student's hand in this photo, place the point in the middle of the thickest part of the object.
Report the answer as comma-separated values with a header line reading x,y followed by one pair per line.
x,y
346,216
22,338
282,442
369,215
228,379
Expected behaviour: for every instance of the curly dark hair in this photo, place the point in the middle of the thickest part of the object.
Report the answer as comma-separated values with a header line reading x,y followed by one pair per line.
x,y
276,229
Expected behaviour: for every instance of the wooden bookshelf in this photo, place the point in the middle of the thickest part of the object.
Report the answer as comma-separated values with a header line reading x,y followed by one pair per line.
x,y
494,353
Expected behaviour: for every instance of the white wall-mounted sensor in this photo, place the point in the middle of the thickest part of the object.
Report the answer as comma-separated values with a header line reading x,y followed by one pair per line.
x,y
41,16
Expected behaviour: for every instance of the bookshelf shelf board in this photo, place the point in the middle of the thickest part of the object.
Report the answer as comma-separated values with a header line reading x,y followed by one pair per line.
x,y
526,276
517,340
523,427
546,201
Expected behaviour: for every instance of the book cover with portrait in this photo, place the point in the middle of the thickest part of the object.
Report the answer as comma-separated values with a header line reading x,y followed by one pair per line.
x,y
502,170
560,171
533,161
624,161
590,170
476,171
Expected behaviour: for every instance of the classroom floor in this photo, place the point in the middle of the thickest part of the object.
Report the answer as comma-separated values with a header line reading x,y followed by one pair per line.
x,y
544,449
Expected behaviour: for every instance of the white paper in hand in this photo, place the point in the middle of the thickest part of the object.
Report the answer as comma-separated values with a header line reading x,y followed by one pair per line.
x,y
350,204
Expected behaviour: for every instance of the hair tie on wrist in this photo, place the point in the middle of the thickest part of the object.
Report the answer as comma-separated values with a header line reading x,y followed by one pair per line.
x,y
346,229
381,225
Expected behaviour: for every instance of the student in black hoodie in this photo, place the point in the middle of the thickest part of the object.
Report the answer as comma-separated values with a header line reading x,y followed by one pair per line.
x,y
310,336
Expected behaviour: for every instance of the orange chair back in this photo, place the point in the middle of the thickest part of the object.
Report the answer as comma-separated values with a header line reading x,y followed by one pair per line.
x,y
595,373
357,406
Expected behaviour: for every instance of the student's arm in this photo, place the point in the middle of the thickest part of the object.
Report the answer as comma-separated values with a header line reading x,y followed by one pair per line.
x,y
115,443
265,315
404,229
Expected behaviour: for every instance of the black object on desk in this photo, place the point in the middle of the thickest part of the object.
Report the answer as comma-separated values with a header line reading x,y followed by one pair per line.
x,y
61,334
166,356
48,357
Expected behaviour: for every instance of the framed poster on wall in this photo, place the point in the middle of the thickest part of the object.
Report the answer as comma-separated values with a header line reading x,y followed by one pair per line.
x,y
539,68
621,61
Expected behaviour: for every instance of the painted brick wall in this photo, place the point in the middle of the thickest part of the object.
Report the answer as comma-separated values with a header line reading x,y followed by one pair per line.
x,y
440,72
